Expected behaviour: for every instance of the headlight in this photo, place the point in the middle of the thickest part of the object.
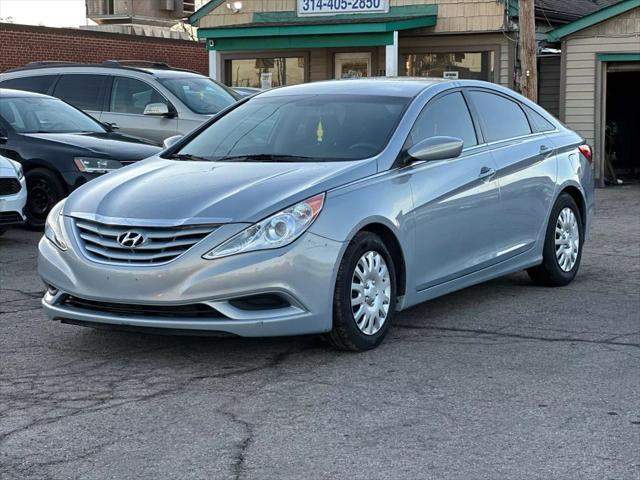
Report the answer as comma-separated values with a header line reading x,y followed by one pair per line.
x,y
275,231
53,226
18,168
96,165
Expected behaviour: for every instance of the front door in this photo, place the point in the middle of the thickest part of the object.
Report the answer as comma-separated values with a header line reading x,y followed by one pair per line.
x,y
456,201
353,65
129,98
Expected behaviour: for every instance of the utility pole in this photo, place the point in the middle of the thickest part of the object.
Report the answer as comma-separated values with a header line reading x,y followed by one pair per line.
x,y
528,60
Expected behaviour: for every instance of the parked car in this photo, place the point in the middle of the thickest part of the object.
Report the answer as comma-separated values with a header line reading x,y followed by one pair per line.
x,y
324,208
143,99
13,193
246,91
59,147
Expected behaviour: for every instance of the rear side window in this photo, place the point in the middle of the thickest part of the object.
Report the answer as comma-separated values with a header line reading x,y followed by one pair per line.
x,y
132,96
445,116
37,84
541,123
82,91
501,118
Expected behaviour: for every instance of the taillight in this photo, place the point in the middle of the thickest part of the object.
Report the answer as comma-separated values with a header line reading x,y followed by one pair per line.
x,y
586,151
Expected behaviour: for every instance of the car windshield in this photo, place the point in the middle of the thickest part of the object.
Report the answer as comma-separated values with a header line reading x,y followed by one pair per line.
x,y
200,94
46,115
300,128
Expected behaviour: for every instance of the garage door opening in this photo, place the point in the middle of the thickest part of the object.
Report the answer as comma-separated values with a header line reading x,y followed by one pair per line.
x,y
622,157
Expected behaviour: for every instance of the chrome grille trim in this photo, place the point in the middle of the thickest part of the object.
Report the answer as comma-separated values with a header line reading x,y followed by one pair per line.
x,y
164,244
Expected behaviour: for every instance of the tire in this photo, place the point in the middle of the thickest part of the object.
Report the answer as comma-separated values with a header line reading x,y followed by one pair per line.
x,y
44,190
353,329
557,270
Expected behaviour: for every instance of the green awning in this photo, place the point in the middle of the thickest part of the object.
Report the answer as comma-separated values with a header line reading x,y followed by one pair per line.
x,y
281,30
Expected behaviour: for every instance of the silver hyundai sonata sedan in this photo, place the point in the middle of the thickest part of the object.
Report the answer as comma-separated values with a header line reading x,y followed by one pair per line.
x,y
324,208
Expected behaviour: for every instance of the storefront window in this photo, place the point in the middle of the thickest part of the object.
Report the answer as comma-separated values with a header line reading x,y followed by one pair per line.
x,y
469,65
265,72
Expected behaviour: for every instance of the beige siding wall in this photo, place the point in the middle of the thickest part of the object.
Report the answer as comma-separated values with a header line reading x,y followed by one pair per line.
x,y
618,35
453,15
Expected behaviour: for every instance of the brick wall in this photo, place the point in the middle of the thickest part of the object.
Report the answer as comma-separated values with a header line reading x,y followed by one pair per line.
x,y
20,44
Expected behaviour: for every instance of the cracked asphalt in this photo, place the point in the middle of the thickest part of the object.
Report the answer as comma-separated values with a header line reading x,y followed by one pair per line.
x,y
500,381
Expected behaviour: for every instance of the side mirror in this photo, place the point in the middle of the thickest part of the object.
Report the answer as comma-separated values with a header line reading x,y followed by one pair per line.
x,y
171,141
436,148
156,109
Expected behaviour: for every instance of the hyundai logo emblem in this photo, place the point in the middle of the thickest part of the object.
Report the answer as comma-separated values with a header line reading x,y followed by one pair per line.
x,y
131,239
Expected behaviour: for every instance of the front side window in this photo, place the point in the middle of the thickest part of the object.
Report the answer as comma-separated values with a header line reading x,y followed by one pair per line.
x,y
45,115
301,128
445,116
265,72
467,65
37,84
129,95
82,91
501,118
202,95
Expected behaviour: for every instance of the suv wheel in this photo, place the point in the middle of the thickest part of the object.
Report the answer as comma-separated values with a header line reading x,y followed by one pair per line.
x,y
44,190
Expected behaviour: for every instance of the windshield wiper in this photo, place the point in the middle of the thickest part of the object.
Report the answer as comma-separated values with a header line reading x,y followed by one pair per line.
x,y
188,157
266,157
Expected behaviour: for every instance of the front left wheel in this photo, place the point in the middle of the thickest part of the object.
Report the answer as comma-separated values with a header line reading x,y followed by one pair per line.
x,y
364,296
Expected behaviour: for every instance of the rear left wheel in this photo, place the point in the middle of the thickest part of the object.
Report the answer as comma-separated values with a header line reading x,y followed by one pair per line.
x,y
364,296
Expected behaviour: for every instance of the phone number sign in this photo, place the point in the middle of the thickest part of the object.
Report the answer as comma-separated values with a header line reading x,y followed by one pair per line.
x,y
335,7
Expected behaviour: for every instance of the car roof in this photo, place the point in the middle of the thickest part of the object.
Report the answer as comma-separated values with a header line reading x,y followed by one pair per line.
x,y
384,86
11,93
159,70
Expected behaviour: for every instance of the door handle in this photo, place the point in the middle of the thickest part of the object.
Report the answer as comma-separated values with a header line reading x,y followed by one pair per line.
x,y
486,172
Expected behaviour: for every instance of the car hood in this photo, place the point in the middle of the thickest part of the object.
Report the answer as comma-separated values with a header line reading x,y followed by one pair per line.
x,y
170,192
111,145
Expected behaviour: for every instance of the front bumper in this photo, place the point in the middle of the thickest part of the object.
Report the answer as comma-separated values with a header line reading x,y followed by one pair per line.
x,y
12,207
302,273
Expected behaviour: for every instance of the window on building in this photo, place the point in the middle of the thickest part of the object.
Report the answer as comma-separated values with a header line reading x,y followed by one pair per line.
x,y
132,96
468,65
501,118
82,91
37,84
445,116
265,72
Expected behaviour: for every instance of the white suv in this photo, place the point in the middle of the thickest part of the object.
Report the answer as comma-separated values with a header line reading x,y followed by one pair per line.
x,y
13,193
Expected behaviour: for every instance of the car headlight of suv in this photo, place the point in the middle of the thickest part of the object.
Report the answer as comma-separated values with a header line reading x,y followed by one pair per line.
x,y
18,168
96,165
53,226
273,232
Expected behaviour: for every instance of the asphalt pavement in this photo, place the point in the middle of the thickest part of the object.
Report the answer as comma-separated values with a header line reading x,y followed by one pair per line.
x,y
504,380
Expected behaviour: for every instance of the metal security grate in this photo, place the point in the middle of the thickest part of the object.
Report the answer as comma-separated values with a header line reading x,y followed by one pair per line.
x,y
195,310
9,186
158,244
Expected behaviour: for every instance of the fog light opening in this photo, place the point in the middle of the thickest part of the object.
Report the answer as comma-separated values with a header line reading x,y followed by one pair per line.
x,y
268,301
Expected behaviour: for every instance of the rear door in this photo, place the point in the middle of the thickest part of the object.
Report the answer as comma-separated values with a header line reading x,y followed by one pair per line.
x,y
456,201
128,100
83,91
526,169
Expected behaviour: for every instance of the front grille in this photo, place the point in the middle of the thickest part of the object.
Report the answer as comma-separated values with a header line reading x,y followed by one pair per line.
x,y
161,244
7,218
195,310
9,186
